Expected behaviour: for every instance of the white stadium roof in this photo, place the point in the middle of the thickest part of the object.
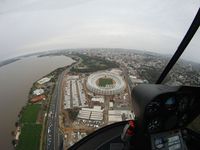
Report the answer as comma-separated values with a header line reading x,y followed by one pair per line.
x,y
116,88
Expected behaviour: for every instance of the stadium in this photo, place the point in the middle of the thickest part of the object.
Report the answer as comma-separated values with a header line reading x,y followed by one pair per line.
x,y
105,83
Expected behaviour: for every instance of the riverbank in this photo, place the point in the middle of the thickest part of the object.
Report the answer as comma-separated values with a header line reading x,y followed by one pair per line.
x,y
31,123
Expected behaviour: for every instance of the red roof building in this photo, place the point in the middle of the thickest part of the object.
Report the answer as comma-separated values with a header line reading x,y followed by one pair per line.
x,y
38,98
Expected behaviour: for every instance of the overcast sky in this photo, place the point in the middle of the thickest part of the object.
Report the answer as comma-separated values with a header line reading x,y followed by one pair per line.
x,y
154,25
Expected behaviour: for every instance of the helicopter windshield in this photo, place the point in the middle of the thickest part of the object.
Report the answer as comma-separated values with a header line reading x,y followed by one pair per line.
x,y
70,66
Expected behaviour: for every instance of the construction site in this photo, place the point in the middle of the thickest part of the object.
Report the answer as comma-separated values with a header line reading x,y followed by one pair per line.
x,y
84,110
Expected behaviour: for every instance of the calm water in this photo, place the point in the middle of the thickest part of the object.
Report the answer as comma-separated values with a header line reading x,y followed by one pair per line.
x,y
16,80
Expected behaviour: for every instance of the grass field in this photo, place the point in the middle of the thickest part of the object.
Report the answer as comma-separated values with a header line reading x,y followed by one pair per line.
x,y
30,113
29,137
105,81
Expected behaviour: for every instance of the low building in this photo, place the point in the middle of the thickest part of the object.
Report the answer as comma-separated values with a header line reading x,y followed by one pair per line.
x,y
98,116
114,118
111,104
119,115
38,98
95,113
95,108
73,77
17,134
84,114
98,99
116,71
38,92
44,80
67,103
135,80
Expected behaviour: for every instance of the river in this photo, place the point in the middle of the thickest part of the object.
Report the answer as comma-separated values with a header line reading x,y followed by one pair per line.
x,y
16,80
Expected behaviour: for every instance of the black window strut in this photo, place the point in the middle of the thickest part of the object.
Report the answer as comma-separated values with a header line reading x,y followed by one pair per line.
x,y
186,40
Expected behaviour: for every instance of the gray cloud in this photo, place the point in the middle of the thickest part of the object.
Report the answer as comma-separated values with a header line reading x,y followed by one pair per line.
x,y
35,25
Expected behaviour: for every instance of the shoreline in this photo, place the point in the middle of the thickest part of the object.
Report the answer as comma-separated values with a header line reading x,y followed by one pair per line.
x,y
41,98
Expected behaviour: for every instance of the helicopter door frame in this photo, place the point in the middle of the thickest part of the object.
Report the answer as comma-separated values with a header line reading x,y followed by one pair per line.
x,y
182,46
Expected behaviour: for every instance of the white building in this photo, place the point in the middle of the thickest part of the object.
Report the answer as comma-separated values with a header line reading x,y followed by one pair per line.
x,y
73,77
116,115
135,80
74,92
95,113
67,102
114,118
18,133
116,71
111,104
44,80
38,92
98,99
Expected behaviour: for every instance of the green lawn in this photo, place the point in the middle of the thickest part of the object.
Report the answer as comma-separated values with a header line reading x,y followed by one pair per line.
x,y
105,81
30,137
30,113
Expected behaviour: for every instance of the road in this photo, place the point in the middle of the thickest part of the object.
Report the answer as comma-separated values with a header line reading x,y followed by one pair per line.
x,y
130,84
53,135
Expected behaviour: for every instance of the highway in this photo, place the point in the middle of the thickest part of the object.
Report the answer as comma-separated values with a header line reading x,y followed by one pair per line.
x,y
52,129
52,134
130,84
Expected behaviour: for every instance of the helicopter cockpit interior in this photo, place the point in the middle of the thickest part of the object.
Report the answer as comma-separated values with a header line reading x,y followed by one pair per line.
x,y
163,114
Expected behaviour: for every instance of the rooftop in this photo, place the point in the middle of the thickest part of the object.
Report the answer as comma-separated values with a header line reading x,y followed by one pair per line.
x,y
38,98
44,80
38,92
